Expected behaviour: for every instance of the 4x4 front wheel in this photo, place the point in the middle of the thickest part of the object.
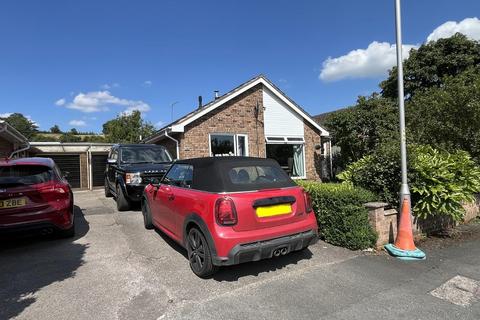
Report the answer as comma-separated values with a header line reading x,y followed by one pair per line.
x,y
199,254
122,202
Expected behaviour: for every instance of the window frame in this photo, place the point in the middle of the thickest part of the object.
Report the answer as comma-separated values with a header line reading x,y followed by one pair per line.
x,y
235,142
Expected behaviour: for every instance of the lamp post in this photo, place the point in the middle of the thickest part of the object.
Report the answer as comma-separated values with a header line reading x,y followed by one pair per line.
x,y
404,246
404,190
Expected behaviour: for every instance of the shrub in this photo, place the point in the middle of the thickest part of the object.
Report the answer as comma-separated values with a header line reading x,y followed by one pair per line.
x,y
341,216
379,173
440,181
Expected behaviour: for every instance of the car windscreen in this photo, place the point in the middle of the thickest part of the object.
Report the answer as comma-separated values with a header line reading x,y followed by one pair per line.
x,y
144,155
19,175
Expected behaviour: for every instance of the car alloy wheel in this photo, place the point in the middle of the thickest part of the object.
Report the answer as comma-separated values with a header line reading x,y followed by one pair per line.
x,y
196,252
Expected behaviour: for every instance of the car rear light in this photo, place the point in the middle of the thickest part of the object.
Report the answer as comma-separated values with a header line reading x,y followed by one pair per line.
x,y
54,192
225,212
308,202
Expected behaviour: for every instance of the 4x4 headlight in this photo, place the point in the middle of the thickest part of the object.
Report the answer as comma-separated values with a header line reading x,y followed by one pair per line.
x,y
133,178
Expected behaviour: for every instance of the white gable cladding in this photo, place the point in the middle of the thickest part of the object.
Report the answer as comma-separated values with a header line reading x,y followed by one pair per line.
x,y
279,118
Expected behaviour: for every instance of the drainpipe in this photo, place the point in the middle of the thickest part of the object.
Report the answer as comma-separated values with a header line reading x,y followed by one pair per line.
x,y
176,142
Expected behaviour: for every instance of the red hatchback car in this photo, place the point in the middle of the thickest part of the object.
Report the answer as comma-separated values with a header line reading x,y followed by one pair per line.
x,y
35,196
230,210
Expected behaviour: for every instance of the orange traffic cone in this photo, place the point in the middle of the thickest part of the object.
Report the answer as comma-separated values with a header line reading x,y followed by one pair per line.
x,y
404,247
404,238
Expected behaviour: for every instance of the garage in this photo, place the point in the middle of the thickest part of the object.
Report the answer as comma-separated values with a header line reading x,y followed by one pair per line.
x,y
85,161
99,162
68,163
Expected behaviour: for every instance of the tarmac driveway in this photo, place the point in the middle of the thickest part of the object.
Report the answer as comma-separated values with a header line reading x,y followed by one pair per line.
x,y
115,269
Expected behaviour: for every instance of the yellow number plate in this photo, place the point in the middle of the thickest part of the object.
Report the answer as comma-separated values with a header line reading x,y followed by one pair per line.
x,y
13,203
274,210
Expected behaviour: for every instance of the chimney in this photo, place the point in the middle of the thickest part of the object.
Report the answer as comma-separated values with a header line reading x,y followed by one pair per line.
x,y
216,94
200,102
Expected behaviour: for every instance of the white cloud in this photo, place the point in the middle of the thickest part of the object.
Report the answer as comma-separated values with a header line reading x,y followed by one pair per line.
x,y
107,86
60,102
160,124
147,83
77,123
379,57
96,101
5,115
374,61
469,27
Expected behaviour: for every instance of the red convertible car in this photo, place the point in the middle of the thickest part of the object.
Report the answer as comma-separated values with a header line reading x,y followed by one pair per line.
x,y
35,196
230,210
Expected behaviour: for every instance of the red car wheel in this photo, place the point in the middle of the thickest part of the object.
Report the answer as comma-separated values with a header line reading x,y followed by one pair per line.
x,y
199,255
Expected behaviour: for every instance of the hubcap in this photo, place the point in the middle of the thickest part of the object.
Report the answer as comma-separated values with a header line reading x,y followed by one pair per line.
x,y
196,252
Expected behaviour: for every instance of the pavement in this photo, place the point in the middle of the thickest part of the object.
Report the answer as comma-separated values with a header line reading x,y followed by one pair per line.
x,y
115,269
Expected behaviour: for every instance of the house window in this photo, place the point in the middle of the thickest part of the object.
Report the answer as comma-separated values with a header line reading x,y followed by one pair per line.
x,y
289,153
228,145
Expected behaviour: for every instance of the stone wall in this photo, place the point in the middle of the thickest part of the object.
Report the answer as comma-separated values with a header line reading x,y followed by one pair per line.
x,y
384,221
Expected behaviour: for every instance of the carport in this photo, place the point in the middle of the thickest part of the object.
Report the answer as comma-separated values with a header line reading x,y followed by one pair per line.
x,y
84,161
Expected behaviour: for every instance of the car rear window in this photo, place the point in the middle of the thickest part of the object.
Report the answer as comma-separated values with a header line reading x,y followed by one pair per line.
x,y
254,175
24,175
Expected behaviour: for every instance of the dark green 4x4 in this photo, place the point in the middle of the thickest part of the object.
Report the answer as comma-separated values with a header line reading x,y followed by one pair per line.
x,y
130,167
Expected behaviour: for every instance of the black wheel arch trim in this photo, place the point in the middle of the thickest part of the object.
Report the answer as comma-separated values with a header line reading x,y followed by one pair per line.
x,y
198,221
120,182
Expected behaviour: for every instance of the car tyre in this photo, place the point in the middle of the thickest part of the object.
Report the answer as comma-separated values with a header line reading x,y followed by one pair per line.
x,y
122,203
199,254
108,192
147,215
70,232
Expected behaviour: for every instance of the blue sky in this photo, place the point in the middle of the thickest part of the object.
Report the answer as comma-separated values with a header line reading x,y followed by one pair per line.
x,y
60,59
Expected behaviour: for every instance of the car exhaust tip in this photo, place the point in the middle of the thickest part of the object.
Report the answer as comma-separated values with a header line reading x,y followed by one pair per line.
x,y
277,253
283,251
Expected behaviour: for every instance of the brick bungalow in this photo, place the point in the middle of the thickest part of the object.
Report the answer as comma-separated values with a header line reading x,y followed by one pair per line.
x,y
255,119
10,140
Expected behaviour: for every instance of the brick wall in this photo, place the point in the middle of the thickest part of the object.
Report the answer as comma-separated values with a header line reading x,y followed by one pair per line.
x,y
83,171
6,148
236,116
313,161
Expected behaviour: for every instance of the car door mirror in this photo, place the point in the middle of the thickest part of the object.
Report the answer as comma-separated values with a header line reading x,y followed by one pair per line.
x,y
111,161
155,182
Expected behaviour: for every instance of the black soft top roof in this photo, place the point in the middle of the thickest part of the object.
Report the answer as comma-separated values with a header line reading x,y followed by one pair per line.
x,y
211,173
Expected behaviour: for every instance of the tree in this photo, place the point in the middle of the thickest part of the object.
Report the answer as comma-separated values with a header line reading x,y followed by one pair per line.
x,y
448,117
429,65
73,131
127,128
358,130
25,126
55,129
70,137
93,138
41,137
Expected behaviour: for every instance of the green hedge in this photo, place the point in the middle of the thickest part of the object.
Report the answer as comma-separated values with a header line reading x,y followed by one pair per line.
x,y
341,216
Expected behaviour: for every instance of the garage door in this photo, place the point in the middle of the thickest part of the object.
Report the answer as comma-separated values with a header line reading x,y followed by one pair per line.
x,y
99,162
68,163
